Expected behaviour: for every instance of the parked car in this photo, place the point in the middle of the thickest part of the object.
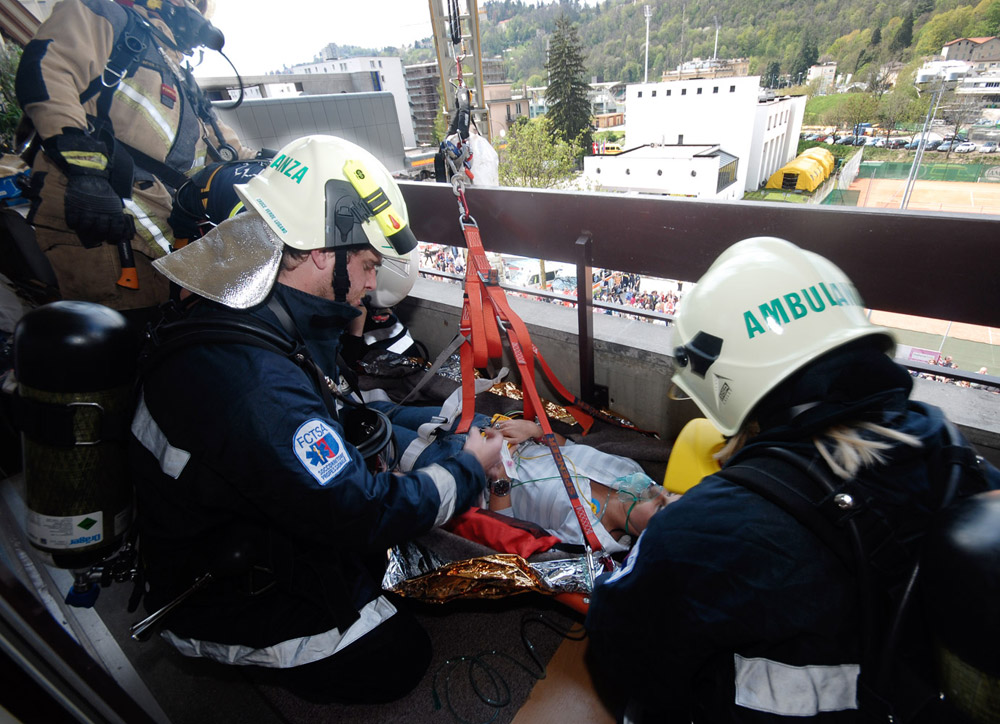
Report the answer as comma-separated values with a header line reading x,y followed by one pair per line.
x,y
988,147
871,140
944,147
966,147
933,145
880,143
897,143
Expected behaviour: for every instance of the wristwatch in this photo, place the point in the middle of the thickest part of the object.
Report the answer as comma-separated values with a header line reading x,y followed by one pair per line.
x,y
500,488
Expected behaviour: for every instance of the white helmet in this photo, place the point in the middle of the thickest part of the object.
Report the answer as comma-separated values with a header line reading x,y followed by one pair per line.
x,y
322,192
762,311
319,192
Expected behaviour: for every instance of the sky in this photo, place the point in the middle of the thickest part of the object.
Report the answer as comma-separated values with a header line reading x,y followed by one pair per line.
x,y
264,35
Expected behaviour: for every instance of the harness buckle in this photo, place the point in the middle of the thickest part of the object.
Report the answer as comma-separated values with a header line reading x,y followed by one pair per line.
x,y
118,76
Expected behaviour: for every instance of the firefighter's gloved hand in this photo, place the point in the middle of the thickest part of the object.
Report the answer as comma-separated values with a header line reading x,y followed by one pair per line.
x,y
96,213
93,209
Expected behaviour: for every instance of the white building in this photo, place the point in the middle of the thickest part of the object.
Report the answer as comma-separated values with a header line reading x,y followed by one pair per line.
x,y
827,73
380,74
697,133
670,170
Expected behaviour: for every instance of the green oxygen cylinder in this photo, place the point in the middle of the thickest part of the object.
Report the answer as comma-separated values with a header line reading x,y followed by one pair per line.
x,y
75,365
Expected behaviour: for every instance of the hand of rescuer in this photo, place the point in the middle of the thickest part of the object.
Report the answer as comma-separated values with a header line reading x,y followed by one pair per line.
x,y
484,445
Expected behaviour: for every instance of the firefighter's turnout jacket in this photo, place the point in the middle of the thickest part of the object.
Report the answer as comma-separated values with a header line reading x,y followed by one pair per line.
x,y
235,458
60,80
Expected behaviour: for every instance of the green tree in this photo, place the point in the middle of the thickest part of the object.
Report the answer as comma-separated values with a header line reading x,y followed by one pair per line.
x,y
806,56
894,108
569,107
440,129
770,76
857,108
904,36
10,111
535,157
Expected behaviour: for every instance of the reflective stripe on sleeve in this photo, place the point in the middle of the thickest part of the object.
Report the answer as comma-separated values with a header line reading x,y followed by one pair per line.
x,y
172,459
150,227
777,688
447,490
294,652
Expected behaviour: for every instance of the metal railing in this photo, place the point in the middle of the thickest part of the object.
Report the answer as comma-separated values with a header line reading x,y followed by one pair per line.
x,y
925,264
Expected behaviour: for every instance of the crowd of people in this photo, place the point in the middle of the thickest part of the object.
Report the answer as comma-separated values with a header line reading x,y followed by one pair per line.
x,y
620,288
947,361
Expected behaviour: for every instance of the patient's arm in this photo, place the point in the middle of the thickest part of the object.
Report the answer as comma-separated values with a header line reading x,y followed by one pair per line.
x,y
517,431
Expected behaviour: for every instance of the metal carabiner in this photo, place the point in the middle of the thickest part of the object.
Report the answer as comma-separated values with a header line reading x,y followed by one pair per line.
x,y
117,76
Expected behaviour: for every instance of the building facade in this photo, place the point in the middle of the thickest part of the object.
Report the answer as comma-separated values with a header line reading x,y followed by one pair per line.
x,y
733,114
422,83
827,74
980,53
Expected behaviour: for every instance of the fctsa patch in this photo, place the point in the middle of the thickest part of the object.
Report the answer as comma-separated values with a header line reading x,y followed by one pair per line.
x,y
320,450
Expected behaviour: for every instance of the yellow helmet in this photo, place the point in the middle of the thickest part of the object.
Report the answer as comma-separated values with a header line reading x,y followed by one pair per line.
x,y
762,311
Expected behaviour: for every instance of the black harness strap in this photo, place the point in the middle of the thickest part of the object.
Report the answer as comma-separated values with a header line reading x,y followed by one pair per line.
x,y
170,338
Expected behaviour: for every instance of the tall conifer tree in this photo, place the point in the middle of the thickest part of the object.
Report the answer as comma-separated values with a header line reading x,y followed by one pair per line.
x,y
569,107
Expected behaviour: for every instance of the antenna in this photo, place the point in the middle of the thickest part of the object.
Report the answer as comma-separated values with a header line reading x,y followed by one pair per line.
x,y
648,13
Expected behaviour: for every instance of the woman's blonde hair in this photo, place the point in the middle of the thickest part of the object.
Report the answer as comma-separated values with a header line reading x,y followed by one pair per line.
x,y
844,448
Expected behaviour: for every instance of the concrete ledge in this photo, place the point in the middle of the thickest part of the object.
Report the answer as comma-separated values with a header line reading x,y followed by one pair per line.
x,y
633,359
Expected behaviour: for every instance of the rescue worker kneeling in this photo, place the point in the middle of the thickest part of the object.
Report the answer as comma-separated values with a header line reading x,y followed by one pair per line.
x,y
244,471
758,617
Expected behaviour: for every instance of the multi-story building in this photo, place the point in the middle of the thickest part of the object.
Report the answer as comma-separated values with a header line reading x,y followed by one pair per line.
x,y
827,74
423,81
504,108
980,53
712,138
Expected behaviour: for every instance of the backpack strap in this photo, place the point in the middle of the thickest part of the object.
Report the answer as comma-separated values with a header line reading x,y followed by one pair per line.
x,y
867,545
172,337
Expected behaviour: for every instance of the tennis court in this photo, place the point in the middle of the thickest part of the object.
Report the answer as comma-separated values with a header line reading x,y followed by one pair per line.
x,y
951,196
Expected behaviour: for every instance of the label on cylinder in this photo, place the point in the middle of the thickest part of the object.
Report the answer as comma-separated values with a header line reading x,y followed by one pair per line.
x,y
65,532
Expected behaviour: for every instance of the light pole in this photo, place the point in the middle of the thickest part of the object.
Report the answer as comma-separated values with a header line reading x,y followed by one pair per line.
x,y
945,80
647,11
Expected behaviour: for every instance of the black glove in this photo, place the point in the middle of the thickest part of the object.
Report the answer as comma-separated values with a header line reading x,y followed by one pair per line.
x,y
96,213
93,209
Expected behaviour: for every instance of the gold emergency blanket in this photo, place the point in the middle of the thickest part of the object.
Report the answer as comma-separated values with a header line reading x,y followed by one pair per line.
x,y
416,572
553,411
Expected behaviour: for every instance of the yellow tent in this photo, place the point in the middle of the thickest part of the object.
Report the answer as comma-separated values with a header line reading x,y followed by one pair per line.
x,y
822,155
802,173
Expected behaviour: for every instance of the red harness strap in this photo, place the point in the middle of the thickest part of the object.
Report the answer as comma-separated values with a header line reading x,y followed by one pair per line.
x,y
485,299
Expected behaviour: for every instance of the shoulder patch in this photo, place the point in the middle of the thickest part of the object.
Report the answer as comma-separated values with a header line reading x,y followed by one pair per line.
x,y
320,450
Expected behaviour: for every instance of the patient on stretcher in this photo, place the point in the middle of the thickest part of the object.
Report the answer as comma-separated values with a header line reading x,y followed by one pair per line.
x,y
617,496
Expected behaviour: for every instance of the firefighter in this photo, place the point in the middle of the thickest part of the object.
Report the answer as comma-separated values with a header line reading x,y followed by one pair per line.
x,y
729,607
246,461
120,122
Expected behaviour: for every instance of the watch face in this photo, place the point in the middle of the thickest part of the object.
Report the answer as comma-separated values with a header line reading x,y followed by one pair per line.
x,y
500,487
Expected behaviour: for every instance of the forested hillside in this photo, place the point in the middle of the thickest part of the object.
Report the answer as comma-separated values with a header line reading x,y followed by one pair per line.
x,y
778,36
